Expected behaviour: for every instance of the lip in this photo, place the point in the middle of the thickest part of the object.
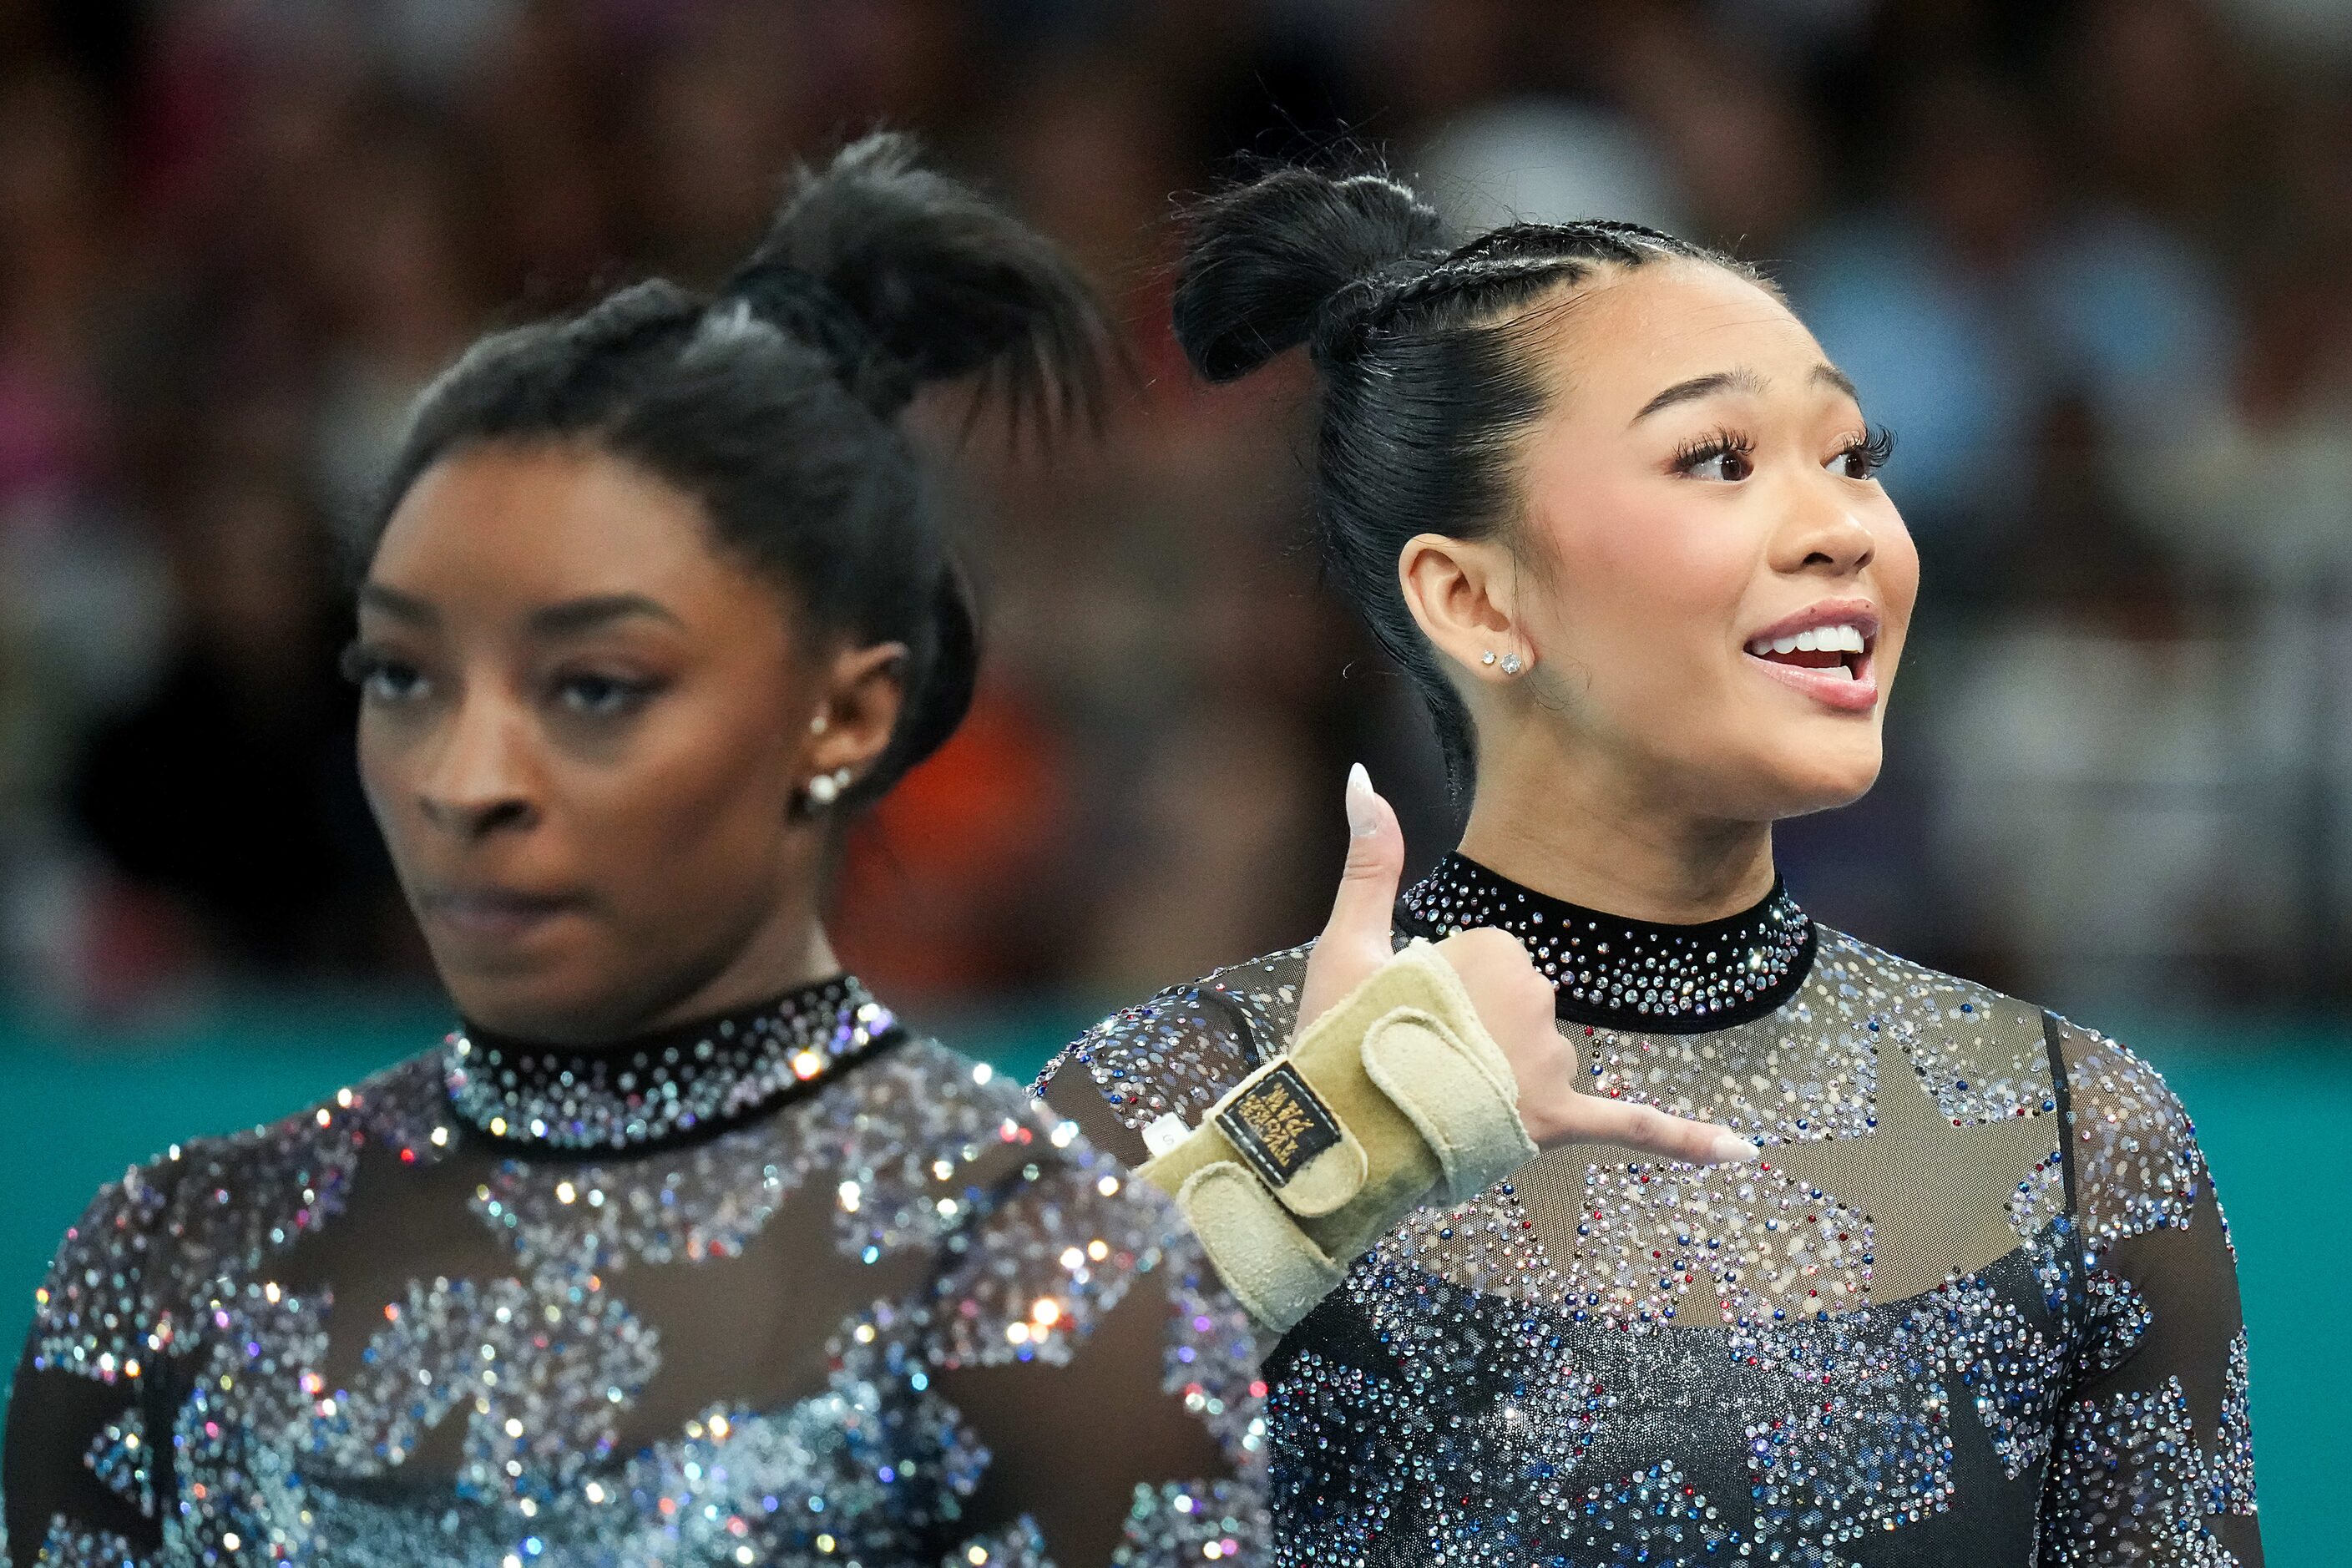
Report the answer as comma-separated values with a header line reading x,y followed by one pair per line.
x,y
493,914
1858,694
1860,614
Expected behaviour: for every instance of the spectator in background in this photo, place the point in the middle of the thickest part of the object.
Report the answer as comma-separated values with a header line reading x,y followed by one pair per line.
x,y
257,225
229,789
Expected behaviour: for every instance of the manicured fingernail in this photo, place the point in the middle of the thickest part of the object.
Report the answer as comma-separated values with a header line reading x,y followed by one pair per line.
x,y
1731,1149
1364,812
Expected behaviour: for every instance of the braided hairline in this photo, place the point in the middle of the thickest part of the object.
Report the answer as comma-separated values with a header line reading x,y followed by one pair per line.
x,y
1524,250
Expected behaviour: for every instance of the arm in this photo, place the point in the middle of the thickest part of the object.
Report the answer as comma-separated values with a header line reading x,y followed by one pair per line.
x,y
84,1461
2153,1461
1112,1382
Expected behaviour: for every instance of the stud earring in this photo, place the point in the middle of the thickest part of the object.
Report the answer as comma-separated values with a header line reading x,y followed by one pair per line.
x,y
1511,665
1486,658
825,788
820,724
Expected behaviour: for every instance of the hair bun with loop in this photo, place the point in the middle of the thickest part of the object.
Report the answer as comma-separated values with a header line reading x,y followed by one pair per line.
x,y
938,281
800,305
1291,257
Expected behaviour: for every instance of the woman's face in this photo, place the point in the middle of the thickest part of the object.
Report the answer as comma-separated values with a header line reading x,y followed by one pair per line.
x,y
1720,587
583,728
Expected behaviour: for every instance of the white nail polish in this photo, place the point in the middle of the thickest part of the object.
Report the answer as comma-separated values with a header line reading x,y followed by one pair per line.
x,y
1731,1149
1363,815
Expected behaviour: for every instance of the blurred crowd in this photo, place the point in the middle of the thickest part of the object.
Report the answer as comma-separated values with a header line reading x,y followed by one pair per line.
x,y
2087,258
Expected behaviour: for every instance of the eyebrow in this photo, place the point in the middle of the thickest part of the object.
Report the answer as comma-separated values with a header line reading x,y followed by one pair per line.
x,y
1700,386
1741,379
569,618
576,615
1830,375
400,606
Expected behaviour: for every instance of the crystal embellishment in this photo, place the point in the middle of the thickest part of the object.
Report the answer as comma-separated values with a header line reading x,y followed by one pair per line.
x,y
700,1079
1625,973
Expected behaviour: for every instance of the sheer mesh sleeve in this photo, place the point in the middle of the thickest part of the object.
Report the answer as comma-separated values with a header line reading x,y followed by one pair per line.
x,y
2154,1457
81,1448
1112,1383
1170,1324
1176,1053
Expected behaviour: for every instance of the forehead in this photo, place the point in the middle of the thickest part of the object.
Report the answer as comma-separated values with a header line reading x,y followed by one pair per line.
x,y
527,525
1635,331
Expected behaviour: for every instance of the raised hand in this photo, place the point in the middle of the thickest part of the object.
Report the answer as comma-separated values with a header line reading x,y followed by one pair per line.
x,y
1513,998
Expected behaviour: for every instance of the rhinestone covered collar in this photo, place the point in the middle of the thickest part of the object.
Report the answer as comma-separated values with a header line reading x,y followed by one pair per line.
x,y
695,1080
1610,972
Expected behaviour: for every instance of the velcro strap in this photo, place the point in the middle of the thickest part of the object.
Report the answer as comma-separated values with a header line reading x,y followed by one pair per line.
x,y
1458,1090
1395,1094
1269,1264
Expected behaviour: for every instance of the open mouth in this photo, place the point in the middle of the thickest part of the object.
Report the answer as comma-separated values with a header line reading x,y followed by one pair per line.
x,y
1840,652
1829,661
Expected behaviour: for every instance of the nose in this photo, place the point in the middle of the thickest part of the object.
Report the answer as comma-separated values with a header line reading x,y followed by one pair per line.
x,y
478,781
1821,533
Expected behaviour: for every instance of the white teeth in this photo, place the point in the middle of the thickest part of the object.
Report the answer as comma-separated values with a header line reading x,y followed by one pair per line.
x,y
1817,639
1836,672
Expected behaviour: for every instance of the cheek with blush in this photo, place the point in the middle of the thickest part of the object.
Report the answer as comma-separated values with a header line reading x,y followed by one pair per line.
x,y
1644,603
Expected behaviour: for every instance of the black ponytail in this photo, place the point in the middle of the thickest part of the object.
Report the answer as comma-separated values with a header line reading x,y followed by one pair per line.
x,y
774,401
1428,375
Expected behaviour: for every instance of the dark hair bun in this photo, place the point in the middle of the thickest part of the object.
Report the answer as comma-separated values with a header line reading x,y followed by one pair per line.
x,y
1265,261
940,283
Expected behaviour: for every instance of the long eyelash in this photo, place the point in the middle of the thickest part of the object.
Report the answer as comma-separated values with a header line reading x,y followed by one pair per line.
x,y
1874,449
1720,443
358,661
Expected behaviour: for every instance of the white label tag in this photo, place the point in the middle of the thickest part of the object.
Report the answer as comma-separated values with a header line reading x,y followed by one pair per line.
x,y
1165,1133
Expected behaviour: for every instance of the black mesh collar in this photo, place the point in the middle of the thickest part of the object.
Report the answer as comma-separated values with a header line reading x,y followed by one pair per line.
x,y
1619,973
680,1083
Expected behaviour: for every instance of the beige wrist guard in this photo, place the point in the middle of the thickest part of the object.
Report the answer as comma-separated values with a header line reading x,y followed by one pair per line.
x,y
1395,1096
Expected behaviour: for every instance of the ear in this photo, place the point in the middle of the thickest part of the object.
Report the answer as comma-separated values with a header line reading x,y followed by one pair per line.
x,y
1463,594
858,709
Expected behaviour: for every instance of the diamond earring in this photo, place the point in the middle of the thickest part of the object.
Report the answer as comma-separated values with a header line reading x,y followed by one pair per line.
x,y
1486,658
820,724
825,788
1511,665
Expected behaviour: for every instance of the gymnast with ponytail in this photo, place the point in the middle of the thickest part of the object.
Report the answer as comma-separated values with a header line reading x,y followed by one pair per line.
x,y
1956,1288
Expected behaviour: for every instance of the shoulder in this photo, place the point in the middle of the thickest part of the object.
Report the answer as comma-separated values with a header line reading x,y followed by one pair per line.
x,y
1040,1232
2132,1147
953,1097
153,1244
2137,1163
1180,1049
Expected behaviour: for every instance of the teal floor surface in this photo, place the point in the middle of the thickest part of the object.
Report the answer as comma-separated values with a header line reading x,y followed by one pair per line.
x,y
2273,1107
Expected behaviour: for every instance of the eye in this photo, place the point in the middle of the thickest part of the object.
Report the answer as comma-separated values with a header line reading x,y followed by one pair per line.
x,y
1862,457
382,677
596,695
1722,457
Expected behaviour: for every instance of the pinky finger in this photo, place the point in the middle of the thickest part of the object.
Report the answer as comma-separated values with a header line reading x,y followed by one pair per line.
x,y
1654,1131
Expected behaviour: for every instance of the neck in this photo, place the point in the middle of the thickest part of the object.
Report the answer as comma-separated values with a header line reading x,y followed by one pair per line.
x,y
788,950
782,957
1577,831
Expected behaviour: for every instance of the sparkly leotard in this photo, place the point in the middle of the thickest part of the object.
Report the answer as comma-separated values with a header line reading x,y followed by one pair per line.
x,y
785,1287
1978,1305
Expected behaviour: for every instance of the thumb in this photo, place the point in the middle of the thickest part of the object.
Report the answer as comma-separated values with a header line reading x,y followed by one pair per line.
x,y
1366,903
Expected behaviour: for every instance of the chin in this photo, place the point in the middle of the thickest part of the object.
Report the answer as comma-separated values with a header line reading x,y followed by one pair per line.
x,y
1824,778
558,1005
